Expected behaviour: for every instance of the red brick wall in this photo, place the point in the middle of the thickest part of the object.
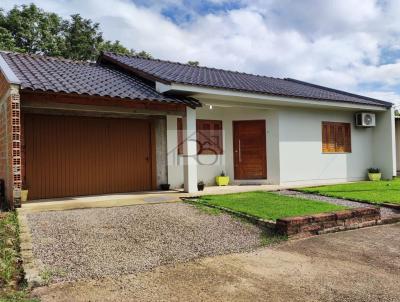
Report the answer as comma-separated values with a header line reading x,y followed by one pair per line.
x,y
10,140
304,226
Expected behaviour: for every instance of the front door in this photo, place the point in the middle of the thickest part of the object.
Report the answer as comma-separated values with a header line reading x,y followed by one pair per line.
x,y
249,145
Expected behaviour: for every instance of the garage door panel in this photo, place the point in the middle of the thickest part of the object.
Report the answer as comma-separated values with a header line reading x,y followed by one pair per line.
x,y
70,156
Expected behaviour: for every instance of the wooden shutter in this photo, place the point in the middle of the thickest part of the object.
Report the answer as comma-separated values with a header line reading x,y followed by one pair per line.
x,y
328,137
339,137
347,138
208,136
203,128
218,136
336,137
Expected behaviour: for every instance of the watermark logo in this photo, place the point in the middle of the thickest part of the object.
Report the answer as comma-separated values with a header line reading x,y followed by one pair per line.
x,y
208,143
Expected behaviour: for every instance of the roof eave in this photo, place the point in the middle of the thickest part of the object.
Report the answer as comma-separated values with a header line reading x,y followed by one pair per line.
x,y
197,90
8,73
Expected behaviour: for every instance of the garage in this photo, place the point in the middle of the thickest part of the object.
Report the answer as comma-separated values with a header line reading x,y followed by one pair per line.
x,y
77,155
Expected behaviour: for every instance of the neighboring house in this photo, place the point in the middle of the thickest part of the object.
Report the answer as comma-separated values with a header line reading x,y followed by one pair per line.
x,y
397,131
74,128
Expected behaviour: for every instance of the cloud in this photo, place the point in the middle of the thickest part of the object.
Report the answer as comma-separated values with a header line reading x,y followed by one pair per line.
x,y
339,43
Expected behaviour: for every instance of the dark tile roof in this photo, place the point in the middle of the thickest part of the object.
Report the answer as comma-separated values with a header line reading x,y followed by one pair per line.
x,y
40,73
172,72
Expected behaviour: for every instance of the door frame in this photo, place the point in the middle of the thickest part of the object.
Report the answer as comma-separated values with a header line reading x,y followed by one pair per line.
x,y
234,138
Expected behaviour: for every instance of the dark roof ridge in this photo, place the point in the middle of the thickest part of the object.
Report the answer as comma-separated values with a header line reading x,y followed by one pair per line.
x,y
188,65
49,58
338,91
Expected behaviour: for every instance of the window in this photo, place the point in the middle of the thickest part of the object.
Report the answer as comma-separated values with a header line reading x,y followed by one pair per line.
x,y
336,137
208,136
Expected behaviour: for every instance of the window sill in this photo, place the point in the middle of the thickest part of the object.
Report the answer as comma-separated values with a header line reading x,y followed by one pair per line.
x,y
209,154
337,152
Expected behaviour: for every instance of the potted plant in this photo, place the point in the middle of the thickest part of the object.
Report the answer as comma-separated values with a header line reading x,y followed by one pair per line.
x,y
222,180
24,195
374,174
165,187
200,185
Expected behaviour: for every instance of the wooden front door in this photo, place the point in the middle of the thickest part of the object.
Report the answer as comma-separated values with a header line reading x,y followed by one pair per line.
x,y
75,155
249,145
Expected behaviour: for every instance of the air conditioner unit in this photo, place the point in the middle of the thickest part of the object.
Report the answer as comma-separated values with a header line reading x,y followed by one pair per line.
x,y
365,119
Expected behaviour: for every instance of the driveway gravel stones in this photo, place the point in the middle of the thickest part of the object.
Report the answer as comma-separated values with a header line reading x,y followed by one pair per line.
x,y
93,243
355,266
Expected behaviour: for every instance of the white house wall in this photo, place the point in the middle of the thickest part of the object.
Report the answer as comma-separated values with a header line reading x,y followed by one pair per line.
x,y
294,146
397,121
301,157
210,166
384,144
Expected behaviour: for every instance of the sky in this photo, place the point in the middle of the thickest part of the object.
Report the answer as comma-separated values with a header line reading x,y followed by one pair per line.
x,y
353,45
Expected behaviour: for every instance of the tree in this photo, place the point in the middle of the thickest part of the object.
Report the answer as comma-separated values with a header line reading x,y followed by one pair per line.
x,y
30,29
143,54
82,38
115,47
7,41
193,63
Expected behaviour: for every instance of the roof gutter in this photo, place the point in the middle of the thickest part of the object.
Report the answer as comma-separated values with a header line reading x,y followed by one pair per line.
x,y
8,73
216,93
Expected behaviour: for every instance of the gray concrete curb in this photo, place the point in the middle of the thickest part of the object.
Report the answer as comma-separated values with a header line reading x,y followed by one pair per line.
x,y
29,263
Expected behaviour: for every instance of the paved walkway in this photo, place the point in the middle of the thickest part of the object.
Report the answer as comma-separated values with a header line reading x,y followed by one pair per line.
x,y
127,199
357,266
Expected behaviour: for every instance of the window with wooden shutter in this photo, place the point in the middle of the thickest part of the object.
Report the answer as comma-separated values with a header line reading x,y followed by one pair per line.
x,y
208,136
336,137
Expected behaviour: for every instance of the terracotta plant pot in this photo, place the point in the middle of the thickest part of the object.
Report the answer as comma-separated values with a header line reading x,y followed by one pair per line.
x,y
222,180
375,176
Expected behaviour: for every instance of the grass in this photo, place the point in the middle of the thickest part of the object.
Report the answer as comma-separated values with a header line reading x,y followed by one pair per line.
x,y
48,274
269,206
12,286
385,191
268,237
205,209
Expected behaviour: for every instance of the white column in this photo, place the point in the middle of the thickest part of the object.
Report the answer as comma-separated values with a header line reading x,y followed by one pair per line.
x,y
190,151
384,145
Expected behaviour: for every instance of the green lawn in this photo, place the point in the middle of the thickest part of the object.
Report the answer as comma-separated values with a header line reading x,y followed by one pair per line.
x,y
12,288
270,206
371,191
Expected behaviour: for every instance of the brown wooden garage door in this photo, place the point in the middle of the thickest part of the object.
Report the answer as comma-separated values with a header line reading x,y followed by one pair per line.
x,y
72,156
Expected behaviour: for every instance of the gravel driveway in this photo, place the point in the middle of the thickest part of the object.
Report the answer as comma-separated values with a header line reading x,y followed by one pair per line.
x,y
92,243
355,266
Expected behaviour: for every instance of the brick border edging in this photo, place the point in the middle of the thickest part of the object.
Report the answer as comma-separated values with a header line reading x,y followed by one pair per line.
x,y
304,226
310,225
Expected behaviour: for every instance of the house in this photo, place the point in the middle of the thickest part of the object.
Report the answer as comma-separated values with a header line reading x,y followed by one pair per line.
x,y
127,124
397,135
